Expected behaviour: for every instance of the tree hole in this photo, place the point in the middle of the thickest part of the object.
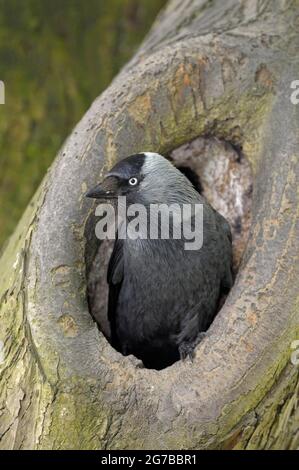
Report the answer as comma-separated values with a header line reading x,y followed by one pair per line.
x,y
220,173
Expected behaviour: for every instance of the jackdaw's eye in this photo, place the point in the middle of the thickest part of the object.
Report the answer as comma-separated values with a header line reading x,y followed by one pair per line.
x,y
133,181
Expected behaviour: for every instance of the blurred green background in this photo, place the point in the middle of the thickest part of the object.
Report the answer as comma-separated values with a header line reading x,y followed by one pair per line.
x,y
55,58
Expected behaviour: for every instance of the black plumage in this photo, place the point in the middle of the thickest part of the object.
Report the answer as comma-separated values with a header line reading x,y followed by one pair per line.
x,y
162,297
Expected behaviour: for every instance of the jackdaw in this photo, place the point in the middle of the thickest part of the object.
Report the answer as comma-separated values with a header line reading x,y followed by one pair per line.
x,y
162,296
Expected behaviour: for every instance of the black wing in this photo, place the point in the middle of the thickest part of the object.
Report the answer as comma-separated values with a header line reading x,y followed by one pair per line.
x,y
115,276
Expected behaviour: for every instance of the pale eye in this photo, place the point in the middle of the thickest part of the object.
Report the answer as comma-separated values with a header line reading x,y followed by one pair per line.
x,y
133,181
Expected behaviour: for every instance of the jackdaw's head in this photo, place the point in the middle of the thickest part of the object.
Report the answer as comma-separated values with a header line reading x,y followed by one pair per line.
x,y
145,178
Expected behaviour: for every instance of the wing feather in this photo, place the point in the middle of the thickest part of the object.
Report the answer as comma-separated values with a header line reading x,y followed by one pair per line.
x,y
115,276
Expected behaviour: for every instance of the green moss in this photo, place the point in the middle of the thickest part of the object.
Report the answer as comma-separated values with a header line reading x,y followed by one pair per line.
x,y
55,57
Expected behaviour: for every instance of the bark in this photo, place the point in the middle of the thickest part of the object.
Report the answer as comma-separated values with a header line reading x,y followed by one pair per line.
x,y
217,68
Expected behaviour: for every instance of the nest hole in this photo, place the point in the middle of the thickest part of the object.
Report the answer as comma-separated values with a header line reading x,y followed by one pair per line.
x,y
219,172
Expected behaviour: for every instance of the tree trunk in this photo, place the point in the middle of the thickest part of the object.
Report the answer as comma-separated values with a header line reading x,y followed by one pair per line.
x,y
221,69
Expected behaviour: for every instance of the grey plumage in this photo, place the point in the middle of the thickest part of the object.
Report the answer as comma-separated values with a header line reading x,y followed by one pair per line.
x,y
162,296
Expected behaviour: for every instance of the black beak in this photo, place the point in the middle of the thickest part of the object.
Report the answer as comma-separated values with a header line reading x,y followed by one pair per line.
x,y
106,190
97,192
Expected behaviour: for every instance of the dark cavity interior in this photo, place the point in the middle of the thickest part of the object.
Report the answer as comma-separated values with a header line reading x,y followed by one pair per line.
x,y
218,171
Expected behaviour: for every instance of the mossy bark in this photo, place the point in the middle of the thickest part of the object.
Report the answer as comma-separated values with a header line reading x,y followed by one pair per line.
x,y
55,57
207,68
